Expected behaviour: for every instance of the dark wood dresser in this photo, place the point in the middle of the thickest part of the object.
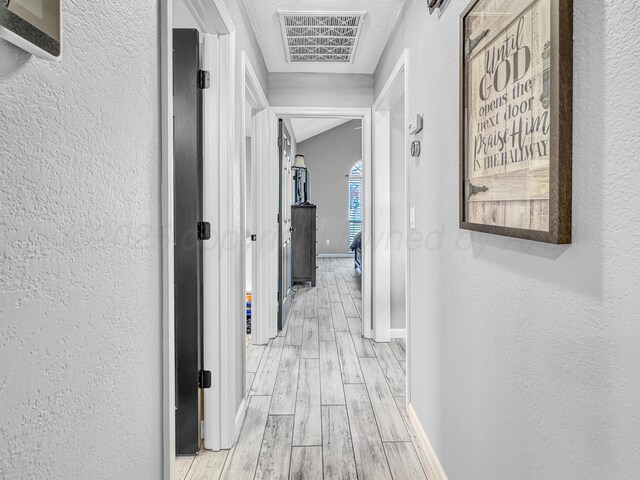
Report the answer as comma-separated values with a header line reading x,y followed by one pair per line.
x,y
303,241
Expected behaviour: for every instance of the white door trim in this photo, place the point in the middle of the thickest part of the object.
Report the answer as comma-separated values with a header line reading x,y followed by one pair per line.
x,y
253,94
382,322
363,114
168,299
213,19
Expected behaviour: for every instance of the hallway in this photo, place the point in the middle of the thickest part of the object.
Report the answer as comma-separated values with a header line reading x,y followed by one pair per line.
x,y
323,401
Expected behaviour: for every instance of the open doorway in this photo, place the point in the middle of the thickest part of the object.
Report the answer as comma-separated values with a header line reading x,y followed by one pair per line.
x,y
391,294
330,174
325,193
216,413
256,318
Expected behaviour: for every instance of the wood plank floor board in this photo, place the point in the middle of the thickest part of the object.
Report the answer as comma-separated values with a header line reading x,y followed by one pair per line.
x,y
294,332
307,421
182,466
342,285
390,423
334,294
371,461
310,347
249,381
358,305
346,274
286,387
339,318
399,349
403,461
422,456
306,463
337,449
325,326
275,455
350,309
362,345
298,300
391,368
244,457
349,364
265,379
403,366
254,355
332,392
329,404
311,306
323,298
354,290
207,465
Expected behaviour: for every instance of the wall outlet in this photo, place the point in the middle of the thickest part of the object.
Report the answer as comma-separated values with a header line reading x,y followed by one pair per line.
x,y
328,242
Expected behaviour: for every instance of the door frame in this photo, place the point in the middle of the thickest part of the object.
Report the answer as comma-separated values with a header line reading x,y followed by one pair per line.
x,y
382,257
219,122
252,94
363,114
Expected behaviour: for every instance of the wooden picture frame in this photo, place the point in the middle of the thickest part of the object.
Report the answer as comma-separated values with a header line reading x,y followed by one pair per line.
x,y
33,25
516,118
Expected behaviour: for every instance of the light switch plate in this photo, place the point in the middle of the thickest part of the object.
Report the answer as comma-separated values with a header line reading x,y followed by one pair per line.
x,y
412,217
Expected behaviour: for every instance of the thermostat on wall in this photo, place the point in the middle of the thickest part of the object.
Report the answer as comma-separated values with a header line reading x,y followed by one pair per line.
x,y
33,25
415,124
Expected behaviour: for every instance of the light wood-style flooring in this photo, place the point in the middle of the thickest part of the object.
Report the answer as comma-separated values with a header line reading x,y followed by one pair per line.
x,y
324,402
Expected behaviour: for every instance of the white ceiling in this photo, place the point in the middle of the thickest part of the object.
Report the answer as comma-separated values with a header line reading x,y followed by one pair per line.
x,y
380,19
306,128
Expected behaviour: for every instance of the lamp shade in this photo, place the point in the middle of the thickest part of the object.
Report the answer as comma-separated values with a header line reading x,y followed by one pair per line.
x,y
298,162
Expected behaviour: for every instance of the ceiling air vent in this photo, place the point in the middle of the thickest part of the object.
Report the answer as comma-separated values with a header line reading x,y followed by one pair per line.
x,y
321,37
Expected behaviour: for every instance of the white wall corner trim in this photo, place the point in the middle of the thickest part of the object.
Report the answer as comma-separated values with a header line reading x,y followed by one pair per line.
x,y
434,467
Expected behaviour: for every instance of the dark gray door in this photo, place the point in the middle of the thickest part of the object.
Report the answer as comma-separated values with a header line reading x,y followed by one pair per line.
x,y
187,144
284,236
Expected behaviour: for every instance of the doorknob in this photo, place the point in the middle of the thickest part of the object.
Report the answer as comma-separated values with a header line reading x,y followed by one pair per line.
x,y
291,229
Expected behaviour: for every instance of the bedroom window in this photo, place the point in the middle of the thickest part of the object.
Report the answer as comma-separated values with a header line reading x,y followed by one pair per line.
x,y
355,201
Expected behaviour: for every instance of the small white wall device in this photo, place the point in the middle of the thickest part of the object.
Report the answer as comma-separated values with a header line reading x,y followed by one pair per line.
x,y
415,124
33,25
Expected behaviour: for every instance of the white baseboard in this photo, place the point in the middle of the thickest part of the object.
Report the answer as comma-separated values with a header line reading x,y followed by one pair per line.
x,y
335,255
242,411
437,472
399,333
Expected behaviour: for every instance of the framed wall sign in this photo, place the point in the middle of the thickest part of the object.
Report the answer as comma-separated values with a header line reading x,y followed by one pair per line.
x,y
516,81
33,25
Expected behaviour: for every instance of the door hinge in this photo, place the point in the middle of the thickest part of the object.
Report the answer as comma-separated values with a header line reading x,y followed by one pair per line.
x,y
204,231
280,141
278,221
204,79
204,379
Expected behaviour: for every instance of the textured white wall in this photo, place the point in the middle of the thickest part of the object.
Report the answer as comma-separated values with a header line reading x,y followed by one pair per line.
x,y
525,356
80,250
320,90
